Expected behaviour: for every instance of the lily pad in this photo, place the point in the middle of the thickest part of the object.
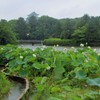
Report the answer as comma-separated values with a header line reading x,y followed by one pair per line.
x,y
94,82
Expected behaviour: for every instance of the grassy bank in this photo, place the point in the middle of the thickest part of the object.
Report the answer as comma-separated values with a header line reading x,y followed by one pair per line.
x,y
4,85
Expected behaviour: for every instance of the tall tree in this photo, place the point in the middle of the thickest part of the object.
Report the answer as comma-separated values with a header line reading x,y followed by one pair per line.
x,y
32,23
48,27
67,27
93,33
6,34
22,29
12,24
80,32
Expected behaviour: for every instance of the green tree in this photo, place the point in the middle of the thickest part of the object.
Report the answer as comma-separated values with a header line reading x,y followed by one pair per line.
x,y
6,34
79,34
22,29
67,27
93,33
80,31
12,24
47,27
32,23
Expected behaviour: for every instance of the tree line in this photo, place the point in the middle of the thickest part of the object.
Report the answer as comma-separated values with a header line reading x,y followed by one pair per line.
x,y
85,29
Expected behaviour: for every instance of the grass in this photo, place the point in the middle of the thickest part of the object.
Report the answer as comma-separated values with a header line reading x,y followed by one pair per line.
x,y
4,85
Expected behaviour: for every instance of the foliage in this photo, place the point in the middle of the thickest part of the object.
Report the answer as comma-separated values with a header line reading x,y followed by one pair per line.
x,y
6,34
47,27
32,23
58,41
21,29
94,82
4,85
78,30
68,75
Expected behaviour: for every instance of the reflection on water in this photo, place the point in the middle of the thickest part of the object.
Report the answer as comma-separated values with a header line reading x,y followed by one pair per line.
x,y
55,47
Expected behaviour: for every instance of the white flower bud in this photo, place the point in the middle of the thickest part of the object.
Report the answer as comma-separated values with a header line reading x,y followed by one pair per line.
x,y
21,57
82,45
57,45
94,50
34,55
1,48
65,49
28,34
88,47
48,68
73,47
44,46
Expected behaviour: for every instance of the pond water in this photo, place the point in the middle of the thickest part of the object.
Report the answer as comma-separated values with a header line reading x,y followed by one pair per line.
x,y
15,91
55,47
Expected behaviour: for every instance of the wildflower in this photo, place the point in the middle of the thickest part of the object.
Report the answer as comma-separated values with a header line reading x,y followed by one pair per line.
x,y
65,49
88,47
34,55
57,45
44,46
82,45
48,68
94,50
73,47
21,57
1,48
28,34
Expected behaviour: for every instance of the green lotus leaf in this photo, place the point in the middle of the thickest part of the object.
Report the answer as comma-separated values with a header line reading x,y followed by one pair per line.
x,y
94,82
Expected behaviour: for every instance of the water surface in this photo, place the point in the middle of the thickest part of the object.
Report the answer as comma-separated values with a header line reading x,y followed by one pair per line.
x,y
55,47
15,91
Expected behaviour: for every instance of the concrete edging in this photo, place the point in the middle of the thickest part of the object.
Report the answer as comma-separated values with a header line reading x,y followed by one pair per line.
x,y
21,80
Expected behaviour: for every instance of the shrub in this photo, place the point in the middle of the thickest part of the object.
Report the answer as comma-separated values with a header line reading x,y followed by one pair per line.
x,y
4,85
58,41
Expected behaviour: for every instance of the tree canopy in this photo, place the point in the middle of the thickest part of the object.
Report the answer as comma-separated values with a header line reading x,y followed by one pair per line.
x,y
6,33
83,29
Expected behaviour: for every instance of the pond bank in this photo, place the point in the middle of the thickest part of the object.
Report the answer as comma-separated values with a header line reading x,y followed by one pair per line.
x,y
18,89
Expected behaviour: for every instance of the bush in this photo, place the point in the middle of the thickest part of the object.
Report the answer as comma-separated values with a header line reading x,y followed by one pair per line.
x,y
4,85
58,41
6,34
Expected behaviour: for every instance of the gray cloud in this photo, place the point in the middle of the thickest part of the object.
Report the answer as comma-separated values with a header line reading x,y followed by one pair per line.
x,y
10,9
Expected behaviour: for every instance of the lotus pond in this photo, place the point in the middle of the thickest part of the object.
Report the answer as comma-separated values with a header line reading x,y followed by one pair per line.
x,y
55,75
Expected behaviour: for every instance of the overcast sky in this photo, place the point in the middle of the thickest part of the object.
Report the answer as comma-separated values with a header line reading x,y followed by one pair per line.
x,y
13,9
